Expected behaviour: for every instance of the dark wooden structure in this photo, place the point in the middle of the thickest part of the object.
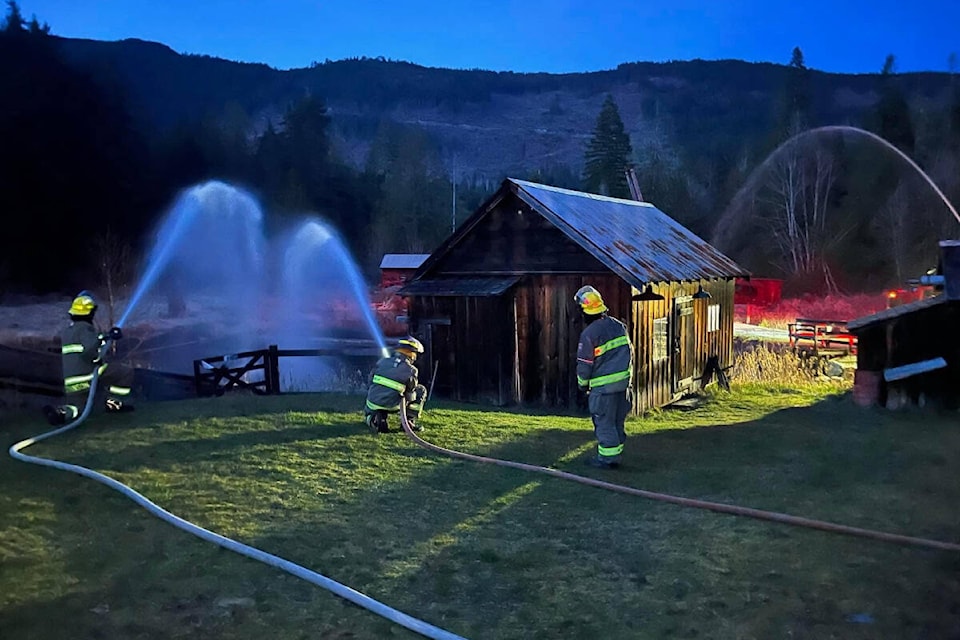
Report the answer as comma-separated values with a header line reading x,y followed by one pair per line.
x,y
910,354
911,334
494,303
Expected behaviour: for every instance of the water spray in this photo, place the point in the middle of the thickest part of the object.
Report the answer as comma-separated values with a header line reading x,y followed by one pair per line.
x,y
876,138
312,241
167,239
751,181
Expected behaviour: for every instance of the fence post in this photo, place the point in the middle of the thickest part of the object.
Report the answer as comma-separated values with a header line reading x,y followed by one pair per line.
x,y
273,371
196,378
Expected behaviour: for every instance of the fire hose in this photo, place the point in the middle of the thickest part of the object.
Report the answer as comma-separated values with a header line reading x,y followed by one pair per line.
x,y
773,516
419,626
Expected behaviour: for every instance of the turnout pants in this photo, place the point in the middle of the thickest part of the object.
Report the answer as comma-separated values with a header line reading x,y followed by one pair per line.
x,y
608,412
114,384
376,415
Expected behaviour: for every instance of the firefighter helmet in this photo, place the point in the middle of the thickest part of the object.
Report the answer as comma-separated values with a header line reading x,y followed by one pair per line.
x,y
83,305
590,301
409,346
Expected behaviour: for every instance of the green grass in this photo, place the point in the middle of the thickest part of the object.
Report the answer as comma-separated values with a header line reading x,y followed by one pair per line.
x,y
481,550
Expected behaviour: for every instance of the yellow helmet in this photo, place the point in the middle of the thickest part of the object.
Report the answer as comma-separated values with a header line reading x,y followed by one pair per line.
x,y
83,305
590,301
410,346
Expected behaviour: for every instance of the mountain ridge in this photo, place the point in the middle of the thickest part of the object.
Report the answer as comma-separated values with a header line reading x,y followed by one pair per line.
x,y
493,122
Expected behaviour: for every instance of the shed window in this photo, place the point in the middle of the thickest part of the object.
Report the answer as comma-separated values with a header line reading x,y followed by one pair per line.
x,y
713,317
660,339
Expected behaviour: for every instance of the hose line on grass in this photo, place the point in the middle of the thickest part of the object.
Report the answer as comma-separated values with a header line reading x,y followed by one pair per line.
x,y
719,507
423,628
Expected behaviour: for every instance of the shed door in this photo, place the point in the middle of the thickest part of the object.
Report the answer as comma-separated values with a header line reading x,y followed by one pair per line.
x,y
683,339
440,358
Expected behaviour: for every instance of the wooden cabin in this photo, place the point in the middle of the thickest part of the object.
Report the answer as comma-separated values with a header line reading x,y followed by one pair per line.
x,y
494,305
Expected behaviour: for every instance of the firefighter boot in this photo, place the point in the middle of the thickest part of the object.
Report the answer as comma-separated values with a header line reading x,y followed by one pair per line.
x,y
117,406
55,415
600,463
377,421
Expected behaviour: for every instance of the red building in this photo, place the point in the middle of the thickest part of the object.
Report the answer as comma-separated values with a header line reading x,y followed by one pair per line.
x,y
396,268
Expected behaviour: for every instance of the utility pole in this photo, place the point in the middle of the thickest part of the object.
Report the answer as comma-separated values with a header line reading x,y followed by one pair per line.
x,y
453,206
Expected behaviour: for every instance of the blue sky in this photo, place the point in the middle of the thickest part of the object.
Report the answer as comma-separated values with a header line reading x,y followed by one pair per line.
x,y
847,36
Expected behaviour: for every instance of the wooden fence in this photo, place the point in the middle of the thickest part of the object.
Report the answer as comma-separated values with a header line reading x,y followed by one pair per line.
x,y
259,371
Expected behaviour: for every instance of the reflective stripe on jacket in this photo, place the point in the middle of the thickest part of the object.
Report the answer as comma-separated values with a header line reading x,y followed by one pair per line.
x,y
604,356
80,346
392,377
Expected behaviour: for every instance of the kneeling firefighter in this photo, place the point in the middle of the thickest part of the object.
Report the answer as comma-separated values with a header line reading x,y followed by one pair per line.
x,y
395,377
80,354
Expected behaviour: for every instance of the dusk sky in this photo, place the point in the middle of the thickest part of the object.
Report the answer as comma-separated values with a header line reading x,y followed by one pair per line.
x,y
848,36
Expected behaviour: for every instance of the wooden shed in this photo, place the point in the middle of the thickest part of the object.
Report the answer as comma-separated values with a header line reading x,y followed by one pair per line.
x,y
910,354
494,303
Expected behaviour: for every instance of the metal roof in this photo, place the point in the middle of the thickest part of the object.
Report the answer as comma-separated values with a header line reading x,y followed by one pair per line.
x,y
895,312
634,239
403,260
454,287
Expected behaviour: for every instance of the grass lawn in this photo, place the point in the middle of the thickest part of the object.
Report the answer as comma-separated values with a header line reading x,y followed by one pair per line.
x,y
480,550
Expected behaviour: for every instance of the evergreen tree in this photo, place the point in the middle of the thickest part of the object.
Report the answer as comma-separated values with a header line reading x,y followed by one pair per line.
x,y
798,100
893,121
608,154
13,22
411,210
71,162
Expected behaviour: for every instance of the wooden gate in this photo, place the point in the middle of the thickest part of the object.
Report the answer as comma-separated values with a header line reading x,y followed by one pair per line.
x,y
683,339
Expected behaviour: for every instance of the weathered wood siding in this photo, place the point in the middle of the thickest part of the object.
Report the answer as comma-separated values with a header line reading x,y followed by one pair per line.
x,y
549,325
471,342
521,346
513,239
914,337
654,376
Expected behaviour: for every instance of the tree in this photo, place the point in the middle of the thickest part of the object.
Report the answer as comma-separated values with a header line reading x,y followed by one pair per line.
x,y
13,22
794,203
798,100
410,212
71,161
113,256
608,154
893,121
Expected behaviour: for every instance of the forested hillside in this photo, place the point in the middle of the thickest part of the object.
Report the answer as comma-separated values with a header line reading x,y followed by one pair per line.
x,y
100,136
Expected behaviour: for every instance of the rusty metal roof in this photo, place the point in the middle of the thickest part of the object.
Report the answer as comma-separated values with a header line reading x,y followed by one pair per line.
x,y
634,239
403,260
459,287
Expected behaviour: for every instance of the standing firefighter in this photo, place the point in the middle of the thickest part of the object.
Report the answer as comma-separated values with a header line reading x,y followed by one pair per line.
x,y
604,371
395,377
80,349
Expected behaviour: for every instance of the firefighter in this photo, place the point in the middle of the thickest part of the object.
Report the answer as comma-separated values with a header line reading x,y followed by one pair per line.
x,y
395,377
80,349
604,372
